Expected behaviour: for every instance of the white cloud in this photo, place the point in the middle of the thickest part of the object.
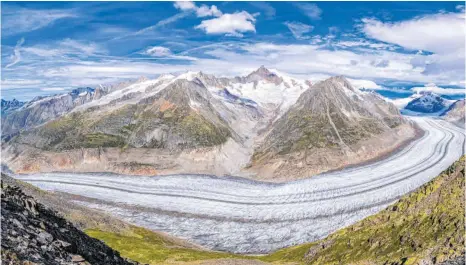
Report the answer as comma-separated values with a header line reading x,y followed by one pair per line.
x,y
439,90
202,11
16,57
87,48
361,83
158,25
158,51
442,34
268,9
205,11
22,20
230,24
363,43
435,33
185,5
298,29
310,10
52,89
66,47
22,83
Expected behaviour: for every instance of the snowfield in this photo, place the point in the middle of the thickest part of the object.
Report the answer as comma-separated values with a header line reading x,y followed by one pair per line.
x,y
244,216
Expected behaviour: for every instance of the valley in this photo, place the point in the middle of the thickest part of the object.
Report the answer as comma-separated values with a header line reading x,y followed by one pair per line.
x,y
245,216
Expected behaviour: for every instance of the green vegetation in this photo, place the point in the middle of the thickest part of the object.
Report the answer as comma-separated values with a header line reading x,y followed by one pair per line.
x,y
425,225
204,132
95,140
146,246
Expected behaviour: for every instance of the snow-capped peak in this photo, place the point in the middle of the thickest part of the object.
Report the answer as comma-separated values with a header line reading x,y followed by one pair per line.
x,y
189,75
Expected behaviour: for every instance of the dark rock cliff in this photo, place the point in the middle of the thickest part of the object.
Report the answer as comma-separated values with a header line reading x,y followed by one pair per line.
x,y
33,234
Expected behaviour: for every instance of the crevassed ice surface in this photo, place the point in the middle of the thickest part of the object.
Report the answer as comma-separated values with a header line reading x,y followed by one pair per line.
x,y
244,216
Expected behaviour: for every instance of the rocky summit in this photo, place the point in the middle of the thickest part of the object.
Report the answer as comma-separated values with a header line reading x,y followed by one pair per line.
x,y
34,234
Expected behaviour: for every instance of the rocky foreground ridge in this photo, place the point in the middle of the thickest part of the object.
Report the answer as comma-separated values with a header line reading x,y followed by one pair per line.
x,y
33,234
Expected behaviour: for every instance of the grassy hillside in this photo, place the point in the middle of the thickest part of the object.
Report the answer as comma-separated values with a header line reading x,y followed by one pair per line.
x,y
146,246
426,225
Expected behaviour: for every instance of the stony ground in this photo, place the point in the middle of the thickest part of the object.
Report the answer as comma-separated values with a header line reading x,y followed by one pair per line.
x,y
34,234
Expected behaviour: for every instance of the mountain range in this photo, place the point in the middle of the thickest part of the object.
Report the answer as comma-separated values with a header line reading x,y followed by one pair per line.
x,y
264,125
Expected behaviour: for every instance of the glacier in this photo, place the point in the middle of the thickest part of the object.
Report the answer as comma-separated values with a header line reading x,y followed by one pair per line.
x,y
228,213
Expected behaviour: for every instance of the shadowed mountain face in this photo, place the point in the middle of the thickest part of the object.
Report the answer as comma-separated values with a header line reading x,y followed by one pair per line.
x,y
427,103
175,120
34,233
10,105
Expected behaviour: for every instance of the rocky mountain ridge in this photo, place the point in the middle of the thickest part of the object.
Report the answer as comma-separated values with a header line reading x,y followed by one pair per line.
x,y
326,127
427,102
10,105
177,120
456,113
34,234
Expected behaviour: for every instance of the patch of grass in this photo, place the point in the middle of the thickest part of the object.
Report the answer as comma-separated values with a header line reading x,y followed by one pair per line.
x,y
204,132
146,246
94,140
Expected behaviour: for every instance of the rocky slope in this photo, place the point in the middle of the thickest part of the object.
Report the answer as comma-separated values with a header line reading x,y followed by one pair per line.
x,y
43,109
198,123
34,234
26,115
330,125
455,113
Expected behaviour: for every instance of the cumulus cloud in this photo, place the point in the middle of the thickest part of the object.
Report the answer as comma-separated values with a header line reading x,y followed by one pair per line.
x,y
310,10
435,33
158,51
205,11
184,5
361,83
202,11
299,29
442,34
229,24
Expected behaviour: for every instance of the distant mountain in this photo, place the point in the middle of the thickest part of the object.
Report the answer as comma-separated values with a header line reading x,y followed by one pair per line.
x,y
428,102
43,109
330,124
10,105
198,123
455,113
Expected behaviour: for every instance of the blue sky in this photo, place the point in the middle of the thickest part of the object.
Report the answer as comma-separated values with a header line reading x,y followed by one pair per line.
x,y
51,47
